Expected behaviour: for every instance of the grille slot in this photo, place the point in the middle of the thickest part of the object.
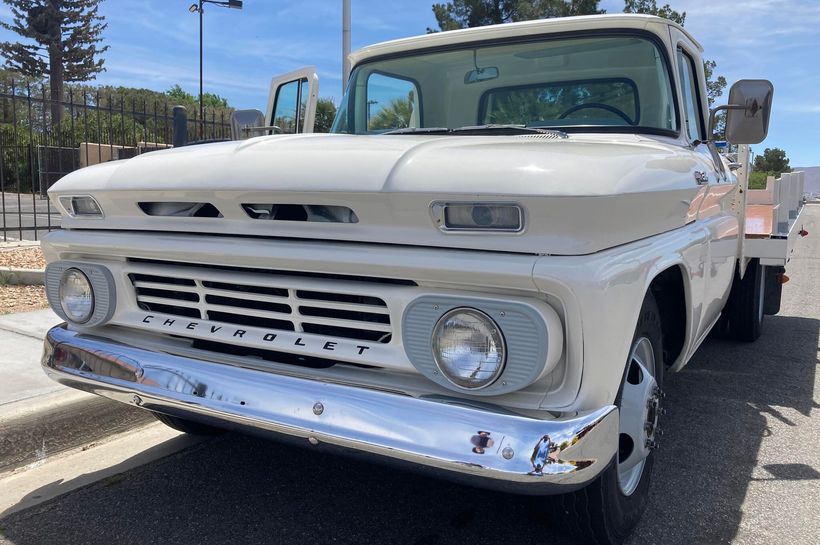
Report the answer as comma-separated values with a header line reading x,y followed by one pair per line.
x,y
267,301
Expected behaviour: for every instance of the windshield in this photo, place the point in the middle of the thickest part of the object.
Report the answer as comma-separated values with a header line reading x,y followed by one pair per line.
x,y
617,83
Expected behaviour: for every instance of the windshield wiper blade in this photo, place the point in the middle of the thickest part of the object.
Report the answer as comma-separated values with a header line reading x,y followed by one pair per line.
x,y
420,130
507,129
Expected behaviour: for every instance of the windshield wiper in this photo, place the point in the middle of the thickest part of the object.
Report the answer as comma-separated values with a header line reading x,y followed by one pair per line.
x,y
507,129
497,129
420,130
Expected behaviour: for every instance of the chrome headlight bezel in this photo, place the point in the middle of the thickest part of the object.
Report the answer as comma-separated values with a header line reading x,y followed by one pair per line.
x,y
494,337
532,332
102,284
76,276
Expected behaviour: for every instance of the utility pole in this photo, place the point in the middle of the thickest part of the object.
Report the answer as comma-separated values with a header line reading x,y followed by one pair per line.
x,y
345,43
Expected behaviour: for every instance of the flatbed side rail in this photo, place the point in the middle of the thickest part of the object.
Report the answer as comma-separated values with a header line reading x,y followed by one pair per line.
x,y
773,218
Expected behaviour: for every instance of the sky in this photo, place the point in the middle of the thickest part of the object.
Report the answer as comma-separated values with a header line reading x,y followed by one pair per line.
x,y
154,44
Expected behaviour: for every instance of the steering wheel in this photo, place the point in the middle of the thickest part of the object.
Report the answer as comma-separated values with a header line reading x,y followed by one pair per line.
x,y
600,106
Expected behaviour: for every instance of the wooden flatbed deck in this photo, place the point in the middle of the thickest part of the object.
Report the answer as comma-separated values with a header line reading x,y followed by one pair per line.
x,y
760,220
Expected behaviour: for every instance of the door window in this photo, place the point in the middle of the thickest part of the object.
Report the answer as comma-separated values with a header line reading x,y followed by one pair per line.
x,y
290,106
691,97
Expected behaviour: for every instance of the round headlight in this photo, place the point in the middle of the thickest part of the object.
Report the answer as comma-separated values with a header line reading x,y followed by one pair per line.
x,y
76,296
468,348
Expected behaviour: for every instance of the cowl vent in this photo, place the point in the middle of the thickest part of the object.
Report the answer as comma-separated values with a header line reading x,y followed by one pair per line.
x,y
301,212
180,209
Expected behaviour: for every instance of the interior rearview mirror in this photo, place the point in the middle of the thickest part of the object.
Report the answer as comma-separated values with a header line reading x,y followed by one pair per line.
x,y
481,74
748,111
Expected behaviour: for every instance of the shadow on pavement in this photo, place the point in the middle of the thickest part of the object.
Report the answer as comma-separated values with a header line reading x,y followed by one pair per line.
x,y
237,489
718,406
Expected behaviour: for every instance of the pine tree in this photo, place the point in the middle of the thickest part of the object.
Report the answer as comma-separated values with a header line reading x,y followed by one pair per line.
x,y
472,13
62,38
714,87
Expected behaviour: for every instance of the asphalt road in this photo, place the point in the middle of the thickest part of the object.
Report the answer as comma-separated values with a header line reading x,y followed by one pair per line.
x,y
739,463
31,212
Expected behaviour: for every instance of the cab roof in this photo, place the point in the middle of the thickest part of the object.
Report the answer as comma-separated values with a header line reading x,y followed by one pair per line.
x,y
650,23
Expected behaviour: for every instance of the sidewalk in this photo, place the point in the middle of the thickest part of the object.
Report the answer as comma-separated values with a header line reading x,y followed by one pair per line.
x,y
38,417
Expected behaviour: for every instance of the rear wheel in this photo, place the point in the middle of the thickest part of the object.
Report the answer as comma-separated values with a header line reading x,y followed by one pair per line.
x,y
606,511
746,303
187,426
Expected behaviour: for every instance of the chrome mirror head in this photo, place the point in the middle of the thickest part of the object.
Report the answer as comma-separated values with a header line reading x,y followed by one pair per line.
x,y
748,111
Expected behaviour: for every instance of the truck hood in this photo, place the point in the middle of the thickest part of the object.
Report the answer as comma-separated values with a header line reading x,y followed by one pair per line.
x,y
580,194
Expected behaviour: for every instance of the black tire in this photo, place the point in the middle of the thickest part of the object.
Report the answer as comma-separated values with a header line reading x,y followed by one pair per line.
x,y
187,426
601,513
745,306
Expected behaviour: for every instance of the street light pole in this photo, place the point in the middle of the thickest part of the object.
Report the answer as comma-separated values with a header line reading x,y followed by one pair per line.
x,y
201,103
345,43
232,4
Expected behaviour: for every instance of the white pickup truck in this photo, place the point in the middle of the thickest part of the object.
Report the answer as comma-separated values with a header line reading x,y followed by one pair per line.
x,y
487,271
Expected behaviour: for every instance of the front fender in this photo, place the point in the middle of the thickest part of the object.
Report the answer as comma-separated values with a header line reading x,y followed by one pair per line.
x,y
602,295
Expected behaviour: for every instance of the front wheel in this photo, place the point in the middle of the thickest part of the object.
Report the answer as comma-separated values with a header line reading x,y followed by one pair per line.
x,y
606,511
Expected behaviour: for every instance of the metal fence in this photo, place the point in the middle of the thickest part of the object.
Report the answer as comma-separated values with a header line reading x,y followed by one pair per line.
x,y
42,140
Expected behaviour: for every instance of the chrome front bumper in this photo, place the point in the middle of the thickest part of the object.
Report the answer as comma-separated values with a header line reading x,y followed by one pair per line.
x,y
480,444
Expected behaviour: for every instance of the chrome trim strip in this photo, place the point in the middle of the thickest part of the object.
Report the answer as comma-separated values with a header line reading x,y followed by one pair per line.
x,y
482,444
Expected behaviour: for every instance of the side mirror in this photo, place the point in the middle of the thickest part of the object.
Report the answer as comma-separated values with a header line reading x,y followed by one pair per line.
x,y
748,111
247,124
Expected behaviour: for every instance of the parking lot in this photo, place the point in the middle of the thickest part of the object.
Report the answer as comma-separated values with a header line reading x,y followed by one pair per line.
x,y
31,212
739,463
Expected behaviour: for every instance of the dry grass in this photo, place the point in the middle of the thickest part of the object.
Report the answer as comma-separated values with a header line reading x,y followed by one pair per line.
x,y
22,258
22,298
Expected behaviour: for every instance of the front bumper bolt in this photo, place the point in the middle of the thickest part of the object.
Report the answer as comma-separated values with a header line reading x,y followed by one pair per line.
x,y
137,400
508,453
313,441
318,408
140,372
651,445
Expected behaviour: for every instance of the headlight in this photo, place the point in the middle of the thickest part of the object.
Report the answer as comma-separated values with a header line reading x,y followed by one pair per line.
x,y
468,348
76,296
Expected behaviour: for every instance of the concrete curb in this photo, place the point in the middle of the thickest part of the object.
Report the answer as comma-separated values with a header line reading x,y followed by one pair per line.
x,y
22,277
13,244
36,430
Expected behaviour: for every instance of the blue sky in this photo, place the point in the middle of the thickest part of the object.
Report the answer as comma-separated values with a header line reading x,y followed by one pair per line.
x,y
154,44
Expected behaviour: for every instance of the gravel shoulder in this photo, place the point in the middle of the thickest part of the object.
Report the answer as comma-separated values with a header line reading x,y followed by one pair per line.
x,y
22,258
21,298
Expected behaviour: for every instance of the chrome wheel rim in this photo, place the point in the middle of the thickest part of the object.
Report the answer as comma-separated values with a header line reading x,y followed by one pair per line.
x,y
640,404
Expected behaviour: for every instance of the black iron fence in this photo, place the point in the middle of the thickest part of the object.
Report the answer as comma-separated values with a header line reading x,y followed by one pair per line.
x,y
42,140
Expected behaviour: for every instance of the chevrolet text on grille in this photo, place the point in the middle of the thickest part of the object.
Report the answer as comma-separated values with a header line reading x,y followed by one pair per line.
x,y
269,337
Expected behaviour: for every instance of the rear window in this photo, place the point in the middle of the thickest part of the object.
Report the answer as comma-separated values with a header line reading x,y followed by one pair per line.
x,y
589,102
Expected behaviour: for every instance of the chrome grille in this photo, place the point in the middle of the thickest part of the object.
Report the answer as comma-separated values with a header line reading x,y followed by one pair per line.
x,y
267,301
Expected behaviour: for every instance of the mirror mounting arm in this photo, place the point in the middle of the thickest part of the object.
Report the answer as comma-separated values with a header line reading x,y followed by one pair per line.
x,y
713,114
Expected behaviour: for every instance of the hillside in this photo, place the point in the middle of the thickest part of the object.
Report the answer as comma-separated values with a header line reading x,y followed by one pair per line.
x,y
812,179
